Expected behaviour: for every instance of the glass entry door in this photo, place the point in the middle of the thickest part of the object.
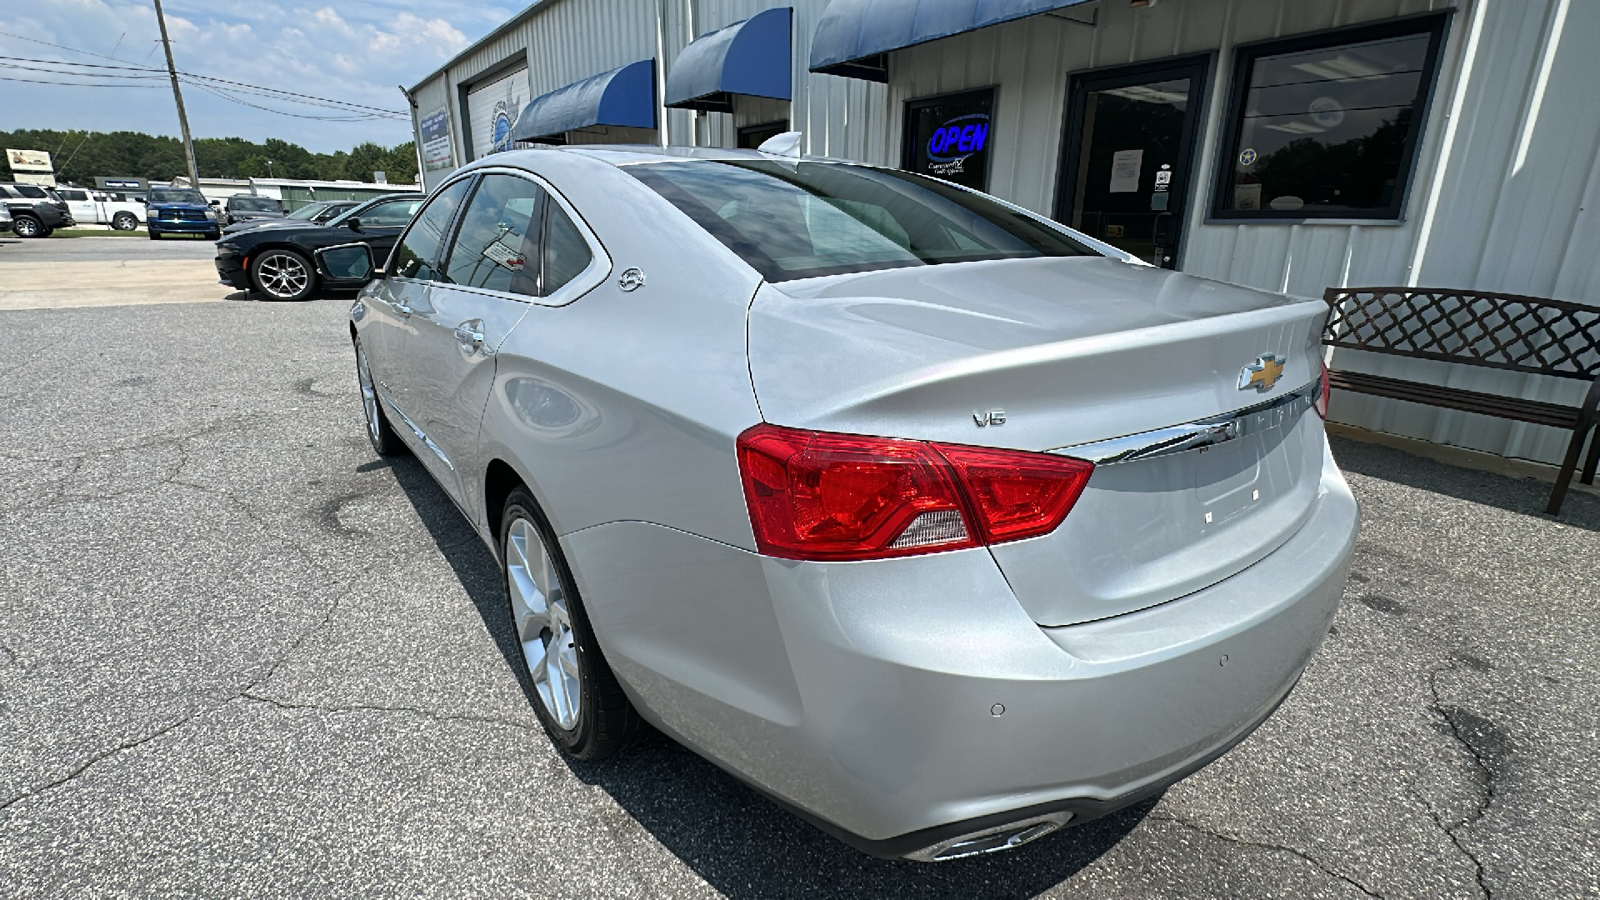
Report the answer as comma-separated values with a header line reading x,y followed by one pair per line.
x,y
1126,169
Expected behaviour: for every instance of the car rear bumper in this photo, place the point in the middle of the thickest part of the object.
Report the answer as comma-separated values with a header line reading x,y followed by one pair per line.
x,y
896,703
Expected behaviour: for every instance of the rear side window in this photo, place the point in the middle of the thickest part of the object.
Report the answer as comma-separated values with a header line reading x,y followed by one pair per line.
x,y
394,214
417,254
497,245
799,220
566,253
28,190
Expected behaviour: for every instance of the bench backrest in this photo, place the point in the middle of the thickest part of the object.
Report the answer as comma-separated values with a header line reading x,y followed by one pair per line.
x,y
1497,331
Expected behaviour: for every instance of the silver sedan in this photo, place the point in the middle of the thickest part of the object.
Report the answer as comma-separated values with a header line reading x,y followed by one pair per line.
x,y
938,523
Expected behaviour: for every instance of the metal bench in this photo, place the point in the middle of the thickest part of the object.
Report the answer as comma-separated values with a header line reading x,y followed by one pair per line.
x,y
1473,328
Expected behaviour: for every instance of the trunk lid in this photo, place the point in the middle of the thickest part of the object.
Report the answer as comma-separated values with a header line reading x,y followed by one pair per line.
x,y
1066,354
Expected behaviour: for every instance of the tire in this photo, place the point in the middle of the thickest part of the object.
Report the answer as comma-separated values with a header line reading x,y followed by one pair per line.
x,y
124,221
155,235
283,275
47,232
382,435
575,694
28,227
214,235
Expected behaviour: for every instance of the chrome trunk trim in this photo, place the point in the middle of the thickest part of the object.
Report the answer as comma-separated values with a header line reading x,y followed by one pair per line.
x,y
1262,417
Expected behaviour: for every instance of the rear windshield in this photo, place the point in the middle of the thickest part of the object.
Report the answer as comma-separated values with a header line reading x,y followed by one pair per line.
x,y
253,204
803,219
176,195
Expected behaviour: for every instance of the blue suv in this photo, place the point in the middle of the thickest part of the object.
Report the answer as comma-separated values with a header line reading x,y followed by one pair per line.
x,y
172,210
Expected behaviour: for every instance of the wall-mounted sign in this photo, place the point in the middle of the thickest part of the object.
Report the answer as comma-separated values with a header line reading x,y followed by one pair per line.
x,y
492,110
949,137
29,160
436,151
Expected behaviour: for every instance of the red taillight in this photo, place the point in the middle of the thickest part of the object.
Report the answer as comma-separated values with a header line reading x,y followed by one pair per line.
x,y
1322,394
823,496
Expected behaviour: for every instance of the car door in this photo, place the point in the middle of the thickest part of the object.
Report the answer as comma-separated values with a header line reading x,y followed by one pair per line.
x,y
81,204
491,276
382,223
398,299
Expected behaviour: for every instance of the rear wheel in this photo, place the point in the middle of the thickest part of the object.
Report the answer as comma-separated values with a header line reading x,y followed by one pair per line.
x,y
28,227
576,695
124,221
384,441
282,275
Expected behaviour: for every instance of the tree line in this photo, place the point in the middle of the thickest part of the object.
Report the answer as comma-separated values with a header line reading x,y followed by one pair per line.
x,y
79,156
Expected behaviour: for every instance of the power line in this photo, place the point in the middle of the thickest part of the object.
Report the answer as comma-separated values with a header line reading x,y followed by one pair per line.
x,y
239,84
77,83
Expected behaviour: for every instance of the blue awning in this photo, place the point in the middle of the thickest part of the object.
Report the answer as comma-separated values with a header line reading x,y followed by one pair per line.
x,y
853,35
624,97
749,57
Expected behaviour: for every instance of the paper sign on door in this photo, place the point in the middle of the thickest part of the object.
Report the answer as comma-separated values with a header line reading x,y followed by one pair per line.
x,y
1125,166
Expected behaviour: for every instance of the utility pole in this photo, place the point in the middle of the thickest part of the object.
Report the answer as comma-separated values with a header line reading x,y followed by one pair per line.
x,y
183,117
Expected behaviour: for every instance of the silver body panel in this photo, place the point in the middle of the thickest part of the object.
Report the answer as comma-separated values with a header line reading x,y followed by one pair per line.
x,y
862,693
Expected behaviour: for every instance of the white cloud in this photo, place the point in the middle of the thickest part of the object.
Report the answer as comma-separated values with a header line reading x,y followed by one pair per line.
x,y
357,52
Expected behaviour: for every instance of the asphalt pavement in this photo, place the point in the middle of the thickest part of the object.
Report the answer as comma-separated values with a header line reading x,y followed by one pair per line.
x,y
241,656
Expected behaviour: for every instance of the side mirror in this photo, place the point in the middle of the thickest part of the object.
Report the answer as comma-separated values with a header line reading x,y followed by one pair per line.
x,y
353,223
346,265
215,202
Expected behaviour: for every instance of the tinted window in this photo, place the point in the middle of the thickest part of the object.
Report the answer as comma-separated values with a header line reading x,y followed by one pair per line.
x,y
496,246
391,214
566,253
797,220
310,211
176,195
28,190
417,254
74,195
253,204
1326,126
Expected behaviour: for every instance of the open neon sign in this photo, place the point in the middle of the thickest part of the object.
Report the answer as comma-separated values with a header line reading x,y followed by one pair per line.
x,y
959,137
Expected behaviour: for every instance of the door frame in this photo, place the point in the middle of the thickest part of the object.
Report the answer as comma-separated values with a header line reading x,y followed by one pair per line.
x,y
1199,66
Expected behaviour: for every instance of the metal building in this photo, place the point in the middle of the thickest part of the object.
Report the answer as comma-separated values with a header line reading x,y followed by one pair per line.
x,y
1290,145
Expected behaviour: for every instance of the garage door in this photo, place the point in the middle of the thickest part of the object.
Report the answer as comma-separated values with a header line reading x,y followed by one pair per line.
x,y
493,107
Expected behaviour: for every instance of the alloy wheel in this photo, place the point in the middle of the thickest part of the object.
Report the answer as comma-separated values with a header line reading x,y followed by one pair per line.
x,y
124,222
282,275
25,226
544,623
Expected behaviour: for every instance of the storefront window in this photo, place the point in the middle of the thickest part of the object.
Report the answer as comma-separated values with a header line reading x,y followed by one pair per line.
x,y
1327,126
948,137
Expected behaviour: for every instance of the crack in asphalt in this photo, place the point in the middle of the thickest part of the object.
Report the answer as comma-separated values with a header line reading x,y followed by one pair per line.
x,y
434,715
100,757
1260,845
1456,721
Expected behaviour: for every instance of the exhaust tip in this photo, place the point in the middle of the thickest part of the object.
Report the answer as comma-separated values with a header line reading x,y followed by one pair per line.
x,y
992,840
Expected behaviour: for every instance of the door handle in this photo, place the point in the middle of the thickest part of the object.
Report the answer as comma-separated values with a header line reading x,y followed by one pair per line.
x,y
469,335
402,309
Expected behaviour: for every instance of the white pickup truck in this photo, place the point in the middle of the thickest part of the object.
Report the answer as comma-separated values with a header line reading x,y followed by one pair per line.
x,y
92,207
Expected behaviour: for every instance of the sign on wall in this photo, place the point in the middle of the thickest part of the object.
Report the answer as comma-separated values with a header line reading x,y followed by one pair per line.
x,y
492,111
949,137
29,160
436,150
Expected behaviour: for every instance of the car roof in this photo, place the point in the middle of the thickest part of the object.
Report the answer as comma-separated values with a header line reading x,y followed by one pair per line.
x,y
634,154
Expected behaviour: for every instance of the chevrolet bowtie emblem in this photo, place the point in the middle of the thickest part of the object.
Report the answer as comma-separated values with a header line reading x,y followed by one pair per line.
x,y
1262,374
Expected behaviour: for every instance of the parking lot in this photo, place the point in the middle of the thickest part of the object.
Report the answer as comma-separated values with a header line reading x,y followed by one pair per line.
x,y
242,656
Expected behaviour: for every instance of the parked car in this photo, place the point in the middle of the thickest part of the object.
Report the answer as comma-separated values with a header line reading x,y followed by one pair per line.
x,y
937,522
175,210
251,208
100,208
277,261
36,211
318,212
5,219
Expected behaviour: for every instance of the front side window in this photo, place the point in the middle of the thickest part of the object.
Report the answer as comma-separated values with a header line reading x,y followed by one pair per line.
x,y
799,220
1327,126
417,254
497,245
74,195
393,214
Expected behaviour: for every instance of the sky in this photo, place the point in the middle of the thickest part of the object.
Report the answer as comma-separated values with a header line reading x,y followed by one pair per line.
x,y
357,51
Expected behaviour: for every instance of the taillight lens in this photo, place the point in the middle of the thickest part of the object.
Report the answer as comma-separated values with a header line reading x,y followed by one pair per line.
x,y
1322,394
820,496
1017,495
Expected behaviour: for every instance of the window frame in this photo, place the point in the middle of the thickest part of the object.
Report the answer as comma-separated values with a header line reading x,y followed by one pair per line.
x,y
591,277
447,240
1435,25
